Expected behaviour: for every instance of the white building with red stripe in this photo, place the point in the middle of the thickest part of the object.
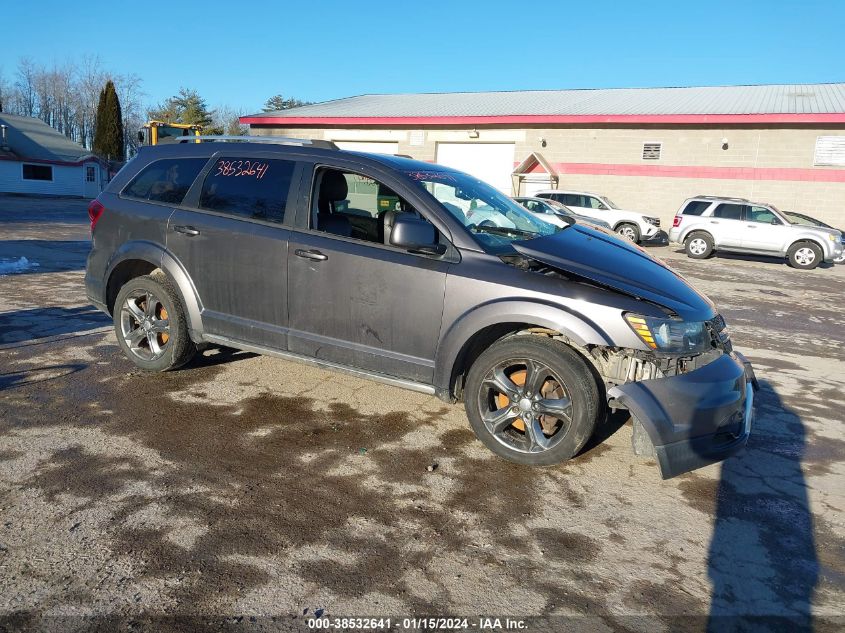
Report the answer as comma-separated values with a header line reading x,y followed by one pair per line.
x,y
646,148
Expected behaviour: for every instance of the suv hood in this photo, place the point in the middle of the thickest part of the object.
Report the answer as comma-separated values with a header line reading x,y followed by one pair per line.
x,y
616,263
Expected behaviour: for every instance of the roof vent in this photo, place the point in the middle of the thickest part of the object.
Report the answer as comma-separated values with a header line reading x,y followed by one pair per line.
x,y
651,151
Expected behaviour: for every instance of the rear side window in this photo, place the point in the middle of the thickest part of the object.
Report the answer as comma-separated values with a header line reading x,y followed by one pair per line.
x,y
728,211
696,207
165,180
248,187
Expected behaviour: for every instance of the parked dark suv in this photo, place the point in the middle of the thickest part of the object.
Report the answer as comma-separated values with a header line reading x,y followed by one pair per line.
x,y
372,264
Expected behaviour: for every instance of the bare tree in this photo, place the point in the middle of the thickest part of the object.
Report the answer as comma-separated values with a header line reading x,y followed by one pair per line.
x,y
25,85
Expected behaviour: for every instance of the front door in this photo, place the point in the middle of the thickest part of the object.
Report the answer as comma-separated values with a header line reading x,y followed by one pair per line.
x,y
234,247
763,230
353,298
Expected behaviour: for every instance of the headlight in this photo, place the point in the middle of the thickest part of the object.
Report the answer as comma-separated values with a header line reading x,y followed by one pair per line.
x,y
671,336
654,221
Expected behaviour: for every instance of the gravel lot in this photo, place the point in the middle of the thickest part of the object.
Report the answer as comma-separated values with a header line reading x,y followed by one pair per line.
x,y
247,492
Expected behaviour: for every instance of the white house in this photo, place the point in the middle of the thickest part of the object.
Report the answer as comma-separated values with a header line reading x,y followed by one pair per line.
x,y
36,159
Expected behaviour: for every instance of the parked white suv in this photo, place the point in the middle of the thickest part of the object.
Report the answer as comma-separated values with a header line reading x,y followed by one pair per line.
x,y
634,226
705,224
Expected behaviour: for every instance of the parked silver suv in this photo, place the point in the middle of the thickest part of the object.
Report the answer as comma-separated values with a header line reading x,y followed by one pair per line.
x,y
384,267
706,224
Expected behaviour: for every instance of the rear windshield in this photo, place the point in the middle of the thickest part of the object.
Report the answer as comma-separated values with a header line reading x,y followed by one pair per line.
x,y
166,180
696,207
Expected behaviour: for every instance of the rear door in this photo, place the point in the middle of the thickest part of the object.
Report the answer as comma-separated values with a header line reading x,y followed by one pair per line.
x,y
725,224
763,231
231,235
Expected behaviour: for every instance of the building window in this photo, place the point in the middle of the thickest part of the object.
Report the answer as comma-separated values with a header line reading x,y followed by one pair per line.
x,y
651,151
90,174
830,151
37,172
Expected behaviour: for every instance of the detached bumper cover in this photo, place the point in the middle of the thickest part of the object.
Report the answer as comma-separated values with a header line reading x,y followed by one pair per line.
x,y
661,238
694,419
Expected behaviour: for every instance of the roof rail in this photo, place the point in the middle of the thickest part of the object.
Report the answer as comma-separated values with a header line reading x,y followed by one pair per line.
x,y
708,197
273,140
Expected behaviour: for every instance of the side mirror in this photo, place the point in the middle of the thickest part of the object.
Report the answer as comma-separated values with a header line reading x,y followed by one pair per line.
x,y
415,235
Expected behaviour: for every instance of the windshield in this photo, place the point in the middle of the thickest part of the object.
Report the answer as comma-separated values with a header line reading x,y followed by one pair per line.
x,y
609,202
800,218
494,219
559,207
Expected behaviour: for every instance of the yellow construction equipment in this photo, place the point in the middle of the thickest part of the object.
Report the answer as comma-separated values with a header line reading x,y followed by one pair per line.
x,y
156,132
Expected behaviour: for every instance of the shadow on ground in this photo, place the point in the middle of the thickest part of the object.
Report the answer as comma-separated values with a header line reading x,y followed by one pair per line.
x,y
762,558
21,326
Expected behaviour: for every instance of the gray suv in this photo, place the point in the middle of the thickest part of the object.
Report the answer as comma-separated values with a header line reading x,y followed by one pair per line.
x,y
374,265
706,224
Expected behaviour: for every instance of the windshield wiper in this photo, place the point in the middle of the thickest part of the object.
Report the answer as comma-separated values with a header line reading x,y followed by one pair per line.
x,y
500,230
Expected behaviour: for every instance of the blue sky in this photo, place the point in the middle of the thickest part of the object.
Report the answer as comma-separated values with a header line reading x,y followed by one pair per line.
x,y
239,53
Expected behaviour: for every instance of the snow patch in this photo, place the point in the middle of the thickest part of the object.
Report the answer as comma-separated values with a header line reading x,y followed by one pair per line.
x,y
8,267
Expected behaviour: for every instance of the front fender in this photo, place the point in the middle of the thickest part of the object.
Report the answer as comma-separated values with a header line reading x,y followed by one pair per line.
x,y
578,328
163,259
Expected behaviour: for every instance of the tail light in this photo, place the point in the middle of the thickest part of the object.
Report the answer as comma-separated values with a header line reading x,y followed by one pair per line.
x,y
677,220
95,210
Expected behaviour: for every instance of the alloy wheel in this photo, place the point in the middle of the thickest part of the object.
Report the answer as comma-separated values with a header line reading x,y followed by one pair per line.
x,y
697,246
525,405
144,325
805,256
628,233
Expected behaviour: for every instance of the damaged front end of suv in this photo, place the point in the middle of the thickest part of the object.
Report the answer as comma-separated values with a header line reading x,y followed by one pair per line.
x,y
690,394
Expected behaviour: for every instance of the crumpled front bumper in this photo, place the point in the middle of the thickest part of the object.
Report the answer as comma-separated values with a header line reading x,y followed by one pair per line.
x,y
694,419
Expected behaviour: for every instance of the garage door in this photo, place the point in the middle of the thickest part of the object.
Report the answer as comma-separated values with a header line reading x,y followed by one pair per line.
x,y
375,147
491,162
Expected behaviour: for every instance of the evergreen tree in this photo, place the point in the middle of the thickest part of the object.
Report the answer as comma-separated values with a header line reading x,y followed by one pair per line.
x,y
186,107
108,126
278,102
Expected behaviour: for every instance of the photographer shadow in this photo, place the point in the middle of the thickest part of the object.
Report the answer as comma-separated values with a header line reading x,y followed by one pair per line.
x,y
762,559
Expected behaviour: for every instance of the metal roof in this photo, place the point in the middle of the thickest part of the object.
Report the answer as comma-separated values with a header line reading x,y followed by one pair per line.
x,y
32,139
801,99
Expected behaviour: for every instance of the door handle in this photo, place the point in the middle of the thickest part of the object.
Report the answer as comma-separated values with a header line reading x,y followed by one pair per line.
x,y
714,222
316,256
187,230
751,226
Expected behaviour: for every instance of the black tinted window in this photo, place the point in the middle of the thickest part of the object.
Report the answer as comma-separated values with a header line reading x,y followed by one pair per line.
x,y
254,188
728,211
571,200
696,207
165,180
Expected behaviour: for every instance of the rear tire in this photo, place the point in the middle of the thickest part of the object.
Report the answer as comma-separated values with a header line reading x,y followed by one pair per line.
x,y
150,324
629,232
804,255
698,245
532,400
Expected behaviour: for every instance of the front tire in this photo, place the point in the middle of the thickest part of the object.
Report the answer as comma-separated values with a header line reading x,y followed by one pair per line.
x,y
532,400
804,255
150,324
698,245
629,231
